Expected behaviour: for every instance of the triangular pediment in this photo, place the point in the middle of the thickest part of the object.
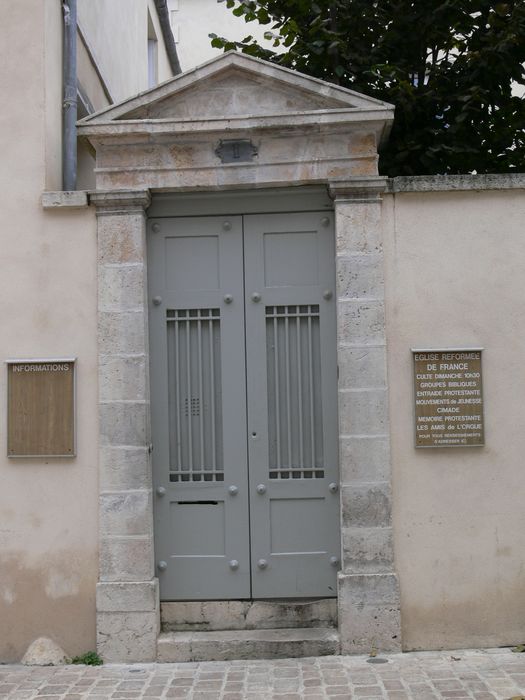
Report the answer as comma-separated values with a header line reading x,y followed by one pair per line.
x,y
235,85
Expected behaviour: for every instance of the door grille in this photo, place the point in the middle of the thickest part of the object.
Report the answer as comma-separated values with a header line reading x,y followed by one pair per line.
x,y
294,392
194,376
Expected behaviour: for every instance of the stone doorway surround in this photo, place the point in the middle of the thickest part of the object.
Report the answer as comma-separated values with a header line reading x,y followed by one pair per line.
x,y
304,132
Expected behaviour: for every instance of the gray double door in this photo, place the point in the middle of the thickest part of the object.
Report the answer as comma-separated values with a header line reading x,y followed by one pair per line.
x,y
244,419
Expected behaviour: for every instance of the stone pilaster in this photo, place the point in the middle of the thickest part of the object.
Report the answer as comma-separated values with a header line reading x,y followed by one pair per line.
x,y
369,603
127,592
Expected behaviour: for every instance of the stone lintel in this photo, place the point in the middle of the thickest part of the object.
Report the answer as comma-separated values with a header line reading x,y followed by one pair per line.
x,y
358,189
77,199
120,201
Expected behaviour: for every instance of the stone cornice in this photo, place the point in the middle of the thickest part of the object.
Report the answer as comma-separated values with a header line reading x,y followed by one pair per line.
x,y
359,189
120,201
375,120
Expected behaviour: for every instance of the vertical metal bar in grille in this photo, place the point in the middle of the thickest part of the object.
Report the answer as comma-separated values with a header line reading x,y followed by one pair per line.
x,y
277,393
288,397
212,397
177,395
311,389
201,402
189,394
299,388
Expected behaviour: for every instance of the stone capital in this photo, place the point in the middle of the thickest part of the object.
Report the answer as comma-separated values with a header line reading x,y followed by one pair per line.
x,y
359,189
120,201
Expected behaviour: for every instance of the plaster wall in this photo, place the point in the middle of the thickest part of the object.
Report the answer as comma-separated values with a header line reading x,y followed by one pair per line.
x,y
193,20
118,37
164,68
48,517
454,277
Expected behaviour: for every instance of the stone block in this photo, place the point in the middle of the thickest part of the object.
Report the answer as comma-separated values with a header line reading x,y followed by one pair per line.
x,y
138,596
360,322
360,276
121,239
123,378
367,505
367,550
363,412
369,613
124,468
358,227
126,559
204,615
122,333
77,199
123,423
364,459
368,589
121,287
44,652
127,637
271,614
127,513
247,644
250,615
362,368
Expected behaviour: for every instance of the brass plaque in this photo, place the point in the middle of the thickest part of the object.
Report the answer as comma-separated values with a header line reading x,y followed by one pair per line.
x,y
448,398
41,408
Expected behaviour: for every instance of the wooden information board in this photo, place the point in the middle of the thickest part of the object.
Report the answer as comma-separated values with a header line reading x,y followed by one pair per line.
x,y
41,408
448,398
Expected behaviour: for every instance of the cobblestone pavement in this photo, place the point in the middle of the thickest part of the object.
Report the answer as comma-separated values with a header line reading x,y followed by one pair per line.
x,y
484,675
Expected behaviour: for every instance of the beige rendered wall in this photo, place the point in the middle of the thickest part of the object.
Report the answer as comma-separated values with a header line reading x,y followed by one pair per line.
x,y
117,32
48,511
193,20
454,277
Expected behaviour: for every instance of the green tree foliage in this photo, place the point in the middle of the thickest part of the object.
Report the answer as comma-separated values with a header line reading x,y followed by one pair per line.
x,y
447,66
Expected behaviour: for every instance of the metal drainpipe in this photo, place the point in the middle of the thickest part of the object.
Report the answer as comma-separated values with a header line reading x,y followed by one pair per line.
x,y
69,130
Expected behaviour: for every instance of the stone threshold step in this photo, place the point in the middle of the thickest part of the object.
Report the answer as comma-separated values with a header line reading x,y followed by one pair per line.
x,y
205,616
247,644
